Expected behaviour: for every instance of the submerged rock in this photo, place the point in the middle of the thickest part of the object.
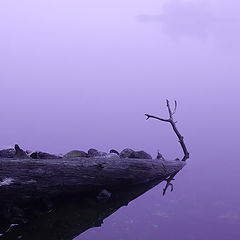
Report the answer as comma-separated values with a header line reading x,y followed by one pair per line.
x,y
75,153
104,195
43,155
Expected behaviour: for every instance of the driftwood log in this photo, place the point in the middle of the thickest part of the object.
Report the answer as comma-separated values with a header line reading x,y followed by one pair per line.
x,y
29,178
31,188
38,186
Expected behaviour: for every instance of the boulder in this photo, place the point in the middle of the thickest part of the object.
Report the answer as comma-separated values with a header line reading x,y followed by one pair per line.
x,y
7,153
75,154
43,155
114,151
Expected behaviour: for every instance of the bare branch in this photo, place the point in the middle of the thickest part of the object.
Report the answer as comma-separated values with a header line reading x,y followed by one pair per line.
x,y
161,119
173,124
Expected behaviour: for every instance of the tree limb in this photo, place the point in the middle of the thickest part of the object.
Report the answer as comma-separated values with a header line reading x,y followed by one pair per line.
x,y
173,124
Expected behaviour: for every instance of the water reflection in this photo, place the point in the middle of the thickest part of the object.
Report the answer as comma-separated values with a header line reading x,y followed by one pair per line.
x,y
73,216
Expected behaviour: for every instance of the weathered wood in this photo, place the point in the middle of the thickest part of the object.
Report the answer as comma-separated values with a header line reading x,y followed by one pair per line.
x,y
27,177
29,184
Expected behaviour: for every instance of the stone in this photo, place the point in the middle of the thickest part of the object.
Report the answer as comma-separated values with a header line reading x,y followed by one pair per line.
x,y
7,153
75,154
43,155
114,151
28,152
92,152
112,155
127,153
160,156
95,153
142,155
19,153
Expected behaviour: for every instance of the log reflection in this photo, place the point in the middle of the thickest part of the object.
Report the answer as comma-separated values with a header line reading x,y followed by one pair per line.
x,y
66,218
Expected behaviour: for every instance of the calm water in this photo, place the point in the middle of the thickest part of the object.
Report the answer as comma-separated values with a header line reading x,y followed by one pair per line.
x,y
203,205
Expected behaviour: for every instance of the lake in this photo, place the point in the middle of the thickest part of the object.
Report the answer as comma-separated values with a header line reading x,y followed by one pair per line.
x,y
203,205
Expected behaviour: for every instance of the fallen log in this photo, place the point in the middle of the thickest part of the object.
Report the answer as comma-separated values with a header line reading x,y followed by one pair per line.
x,y
31,188
29,184
36,178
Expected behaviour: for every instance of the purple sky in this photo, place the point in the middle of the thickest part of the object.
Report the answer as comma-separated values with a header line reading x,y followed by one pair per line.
x,y
80,74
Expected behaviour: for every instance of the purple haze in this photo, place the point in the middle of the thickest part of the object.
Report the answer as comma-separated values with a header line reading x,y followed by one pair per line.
x,y
80,74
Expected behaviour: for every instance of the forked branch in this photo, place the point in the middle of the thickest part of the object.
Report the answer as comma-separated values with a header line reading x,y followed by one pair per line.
x,y
173,124
180,137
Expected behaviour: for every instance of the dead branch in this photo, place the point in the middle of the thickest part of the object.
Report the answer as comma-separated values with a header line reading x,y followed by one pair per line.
x,y
173,124
180,137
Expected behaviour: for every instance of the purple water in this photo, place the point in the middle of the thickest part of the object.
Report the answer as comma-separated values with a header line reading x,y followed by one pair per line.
x,y
203,205
81,74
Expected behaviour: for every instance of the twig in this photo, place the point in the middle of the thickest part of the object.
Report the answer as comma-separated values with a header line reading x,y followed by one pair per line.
x,y
168,180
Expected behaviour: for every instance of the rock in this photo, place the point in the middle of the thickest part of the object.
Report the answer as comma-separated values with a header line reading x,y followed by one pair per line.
x,y
114,151
43,155
142,155
127,153
102,154
75,153
28,152
160,156
112,155
7,153
92,152
19,153
95,153
104,195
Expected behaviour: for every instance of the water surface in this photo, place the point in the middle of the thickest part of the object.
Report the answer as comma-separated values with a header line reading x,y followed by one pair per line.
x,y
203,205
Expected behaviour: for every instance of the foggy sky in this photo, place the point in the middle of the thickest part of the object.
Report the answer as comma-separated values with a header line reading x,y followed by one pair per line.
x,y
81,74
